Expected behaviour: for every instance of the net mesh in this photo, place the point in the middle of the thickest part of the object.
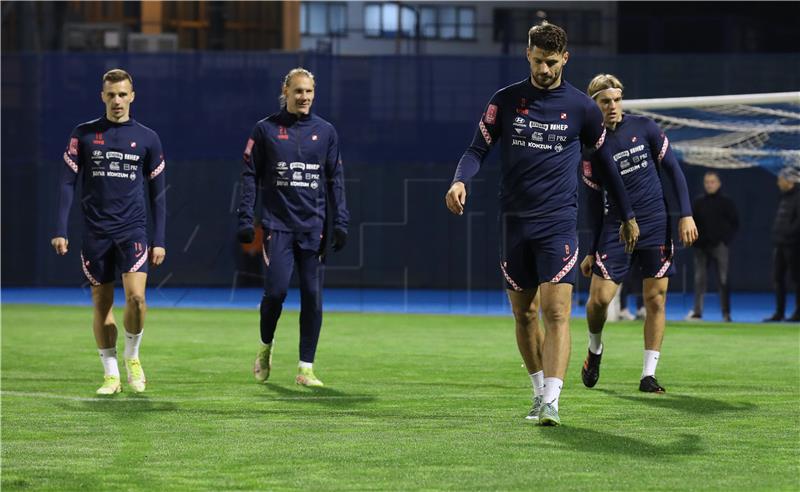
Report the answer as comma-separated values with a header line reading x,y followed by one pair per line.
x,y
731,132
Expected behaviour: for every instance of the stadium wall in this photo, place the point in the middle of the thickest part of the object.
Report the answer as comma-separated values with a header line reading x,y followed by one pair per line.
x,y
403,123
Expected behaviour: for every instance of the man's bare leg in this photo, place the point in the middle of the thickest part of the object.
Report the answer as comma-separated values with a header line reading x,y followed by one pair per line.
x,y
556,302
135,311
655,300
105,335
530,339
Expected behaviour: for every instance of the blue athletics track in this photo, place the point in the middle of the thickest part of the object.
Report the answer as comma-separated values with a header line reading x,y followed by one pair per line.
x,y
747,307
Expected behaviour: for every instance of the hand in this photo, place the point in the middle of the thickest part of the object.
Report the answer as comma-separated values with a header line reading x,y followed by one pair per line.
x,y
157,255
246,235
60,244
456,197
586,266
687,231
629,234
339,239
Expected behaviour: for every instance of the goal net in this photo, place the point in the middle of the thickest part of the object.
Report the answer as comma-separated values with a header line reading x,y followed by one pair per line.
x,y
730,132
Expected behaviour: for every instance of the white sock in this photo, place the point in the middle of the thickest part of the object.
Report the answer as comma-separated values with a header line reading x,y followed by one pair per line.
x,y
109,359
132,344
537,379
650,363
595,343
305,365
552,390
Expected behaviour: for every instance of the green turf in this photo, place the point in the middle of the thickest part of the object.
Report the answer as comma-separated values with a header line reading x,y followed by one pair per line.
x,y
411,402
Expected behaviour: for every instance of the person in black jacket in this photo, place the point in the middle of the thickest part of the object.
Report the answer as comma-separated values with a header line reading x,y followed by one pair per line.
x,y
717,222
786,241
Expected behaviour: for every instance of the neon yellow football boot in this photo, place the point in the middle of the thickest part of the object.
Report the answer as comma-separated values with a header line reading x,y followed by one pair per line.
x,y
306,377
136,379
111,386
263,364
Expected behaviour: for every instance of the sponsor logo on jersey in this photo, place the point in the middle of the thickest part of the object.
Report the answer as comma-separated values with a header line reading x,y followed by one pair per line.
x,y
491,114
114,166
558,147
97,154
537,137
297,165
297,176
132,157
559,126
114,155
314,185
519,121
73,146
98,139
282,133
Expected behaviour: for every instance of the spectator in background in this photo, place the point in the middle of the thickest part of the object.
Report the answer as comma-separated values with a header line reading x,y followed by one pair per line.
x,y
717,223
786,241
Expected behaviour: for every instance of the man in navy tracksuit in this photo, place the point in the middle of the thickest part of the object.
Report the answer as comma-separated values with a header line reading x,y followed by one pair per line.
x,y
293,157
639,150
114,156
539,124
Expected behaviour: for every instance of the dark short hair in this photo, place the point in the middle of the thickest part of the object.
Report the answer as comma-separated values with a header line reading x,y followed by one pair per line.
x,y
548,37
117,75
712,173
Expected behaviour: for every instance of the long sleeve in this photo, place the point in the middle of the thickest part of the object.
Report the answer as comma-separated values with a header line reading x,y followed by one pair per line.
x,y
486,136
67,178
661,150
593,135
613,180
593,203
334,171
157,180
253,154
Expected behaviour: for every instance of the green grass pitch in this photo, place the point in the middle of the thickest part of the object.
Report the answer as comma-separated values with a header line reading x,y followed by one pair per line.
x,y
411,402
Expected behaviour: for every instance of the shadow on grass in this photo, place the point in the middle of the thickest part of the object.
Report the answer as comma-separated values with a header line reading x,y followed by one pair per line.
x,y
683,403
324,396
592,441
128,404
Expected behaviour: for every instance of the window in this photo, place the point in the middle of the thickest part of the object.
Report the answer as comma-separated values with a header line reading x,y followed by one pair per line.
x,y
435,22
427,22
323,19
381,20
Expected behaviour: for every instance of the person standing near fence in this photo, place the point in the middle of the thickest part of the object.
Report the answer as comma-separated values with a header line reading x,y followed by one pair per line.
x,y
293,157
717,222
786,245
114,156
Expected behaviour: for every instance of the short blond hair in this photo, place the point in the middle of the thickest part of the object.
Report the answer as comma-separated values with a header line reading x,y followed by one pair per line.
x,y
602,82
295,72
117,75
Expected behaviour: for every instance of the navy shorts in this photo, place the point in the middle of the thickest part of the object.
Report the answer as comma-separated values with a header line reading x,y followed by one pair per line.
x,y
101,255
654,252
526,262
